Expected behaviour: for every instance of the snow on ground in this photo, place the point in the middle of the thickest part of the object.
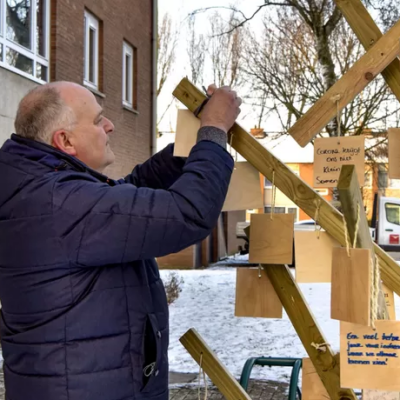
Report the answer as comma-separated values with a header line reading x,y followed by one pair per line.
x,y
207,304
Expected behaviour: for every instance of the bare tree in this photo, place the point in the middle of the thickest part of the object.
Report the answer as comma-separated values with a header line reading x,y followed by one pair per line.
x,y
225,51
196,50
284,65
323,49
166,44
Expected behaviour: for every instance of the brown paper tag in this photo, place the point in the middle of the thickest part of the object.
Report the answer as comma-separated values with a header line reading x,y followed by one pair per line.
x,y
370,359
255,295
244,191
313,256
351,286
394,153
312,387
271,240
331,153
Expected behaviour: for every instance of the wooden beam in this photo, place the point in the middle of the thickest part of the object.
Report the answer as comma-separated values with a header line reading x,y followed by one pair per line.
x,y
212,366
348,87
290,184
368,34
325,361
351,201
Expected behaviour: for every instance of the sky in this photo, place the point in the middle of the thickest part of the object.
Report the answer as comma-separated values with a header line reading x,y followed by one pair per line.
x,y
179,10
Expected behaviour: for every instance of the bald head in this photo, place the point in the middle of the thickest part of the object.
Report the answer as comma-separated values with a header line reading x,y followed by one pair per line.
x,y
45,109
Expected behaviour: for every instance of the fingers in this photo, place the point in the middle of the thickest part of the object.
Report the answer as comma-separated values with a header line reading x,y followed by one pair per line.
x,y
211,89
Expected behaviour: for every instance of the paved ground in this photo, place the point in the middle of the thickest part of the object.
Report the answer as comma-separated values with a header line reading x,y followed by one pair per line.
x,y
185,387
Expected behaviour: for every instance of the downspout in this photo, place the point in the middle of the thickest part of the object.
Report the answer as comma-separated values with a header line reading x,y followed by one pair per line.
x,y
153,140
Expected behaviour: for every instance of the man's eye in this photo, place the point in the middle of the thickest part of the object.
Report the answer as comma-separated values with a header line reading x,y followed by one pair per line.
x,y
99,120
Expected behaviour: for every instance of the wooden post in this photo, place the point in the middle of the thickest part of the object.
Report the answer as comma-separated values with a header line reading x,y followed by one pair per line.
x,y
368,34
212,366
350,197
290,184
325,361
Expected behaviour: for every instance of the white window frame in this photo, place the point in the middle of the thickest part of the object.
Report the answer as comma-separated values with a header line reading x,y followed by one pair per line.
x,y
32,53
91,22
127,98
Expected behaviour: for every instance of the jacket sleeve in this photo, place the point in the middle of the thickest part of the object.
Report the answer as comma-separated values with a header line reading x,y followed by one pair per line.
x,y
159,172
101,225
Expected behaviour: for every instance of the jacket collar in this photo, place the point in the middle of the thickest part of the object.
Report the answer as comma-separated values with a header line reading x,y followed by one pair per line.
x,y
48,156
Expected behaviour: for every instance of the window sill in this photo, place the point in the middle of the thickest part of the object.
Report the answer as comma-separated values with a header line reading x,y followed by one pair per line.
x,y
95,91
132,110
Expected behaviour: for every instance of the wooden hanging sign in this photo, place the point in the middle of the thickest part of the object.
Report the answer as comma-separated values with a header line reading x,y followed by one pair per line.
x,y
394,153
351,286
331,153
312,387
187,126
313,256
255,295
244,192
370,359
271,238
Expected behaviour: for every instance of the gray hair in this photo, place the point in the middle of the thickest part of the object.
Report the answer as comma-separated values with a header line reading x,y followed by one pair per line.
x,y
42,112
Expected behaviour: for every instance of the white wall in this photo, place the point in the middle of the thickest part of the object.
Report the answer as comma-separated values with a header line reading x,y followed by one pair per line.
x,y
12,88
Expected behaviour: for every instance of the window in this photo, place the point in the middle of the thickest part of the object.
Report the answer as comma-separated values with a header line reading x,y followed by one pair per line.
x,y
128,76
24,37
91,76
392,213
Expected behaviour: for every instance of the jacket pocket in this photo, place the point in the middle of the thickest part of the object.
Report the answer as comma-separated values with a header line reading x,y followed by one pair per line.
x,y
152,352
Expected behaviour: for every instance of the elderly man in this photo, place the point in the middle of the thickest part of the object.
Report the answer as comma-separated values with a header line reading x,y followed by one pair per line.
x,y
84,312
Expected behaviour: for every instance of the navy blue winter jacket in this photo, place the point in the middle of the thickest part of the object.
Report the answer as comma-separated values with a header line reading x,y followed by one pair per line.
x,y
84,312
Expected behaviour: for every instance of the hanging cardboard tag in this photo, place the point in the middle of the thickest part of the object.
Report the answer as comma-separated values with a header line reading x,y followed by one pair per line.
x,y
187,126
351,286
369,394
313,256
370,359
255,295
389,299
271,240
244,191
312,387
394,153
331,153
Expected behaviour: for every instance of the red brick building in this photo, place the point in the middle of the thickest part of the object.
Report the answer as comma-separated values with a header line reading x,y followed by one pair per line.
x,y
108,46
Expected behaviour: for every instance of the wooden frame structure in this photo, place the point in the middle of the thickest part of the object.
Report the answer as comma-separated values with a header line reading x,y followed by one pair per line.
x,y
381,57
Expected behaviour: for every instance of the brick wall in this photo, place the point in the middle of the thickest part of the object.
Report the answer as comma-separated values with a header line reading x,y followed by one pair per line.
x,y
120,20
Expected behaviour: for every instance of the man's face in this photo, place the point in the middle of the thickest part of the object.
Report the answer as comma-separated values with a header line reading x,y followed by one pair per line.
x,y
89,136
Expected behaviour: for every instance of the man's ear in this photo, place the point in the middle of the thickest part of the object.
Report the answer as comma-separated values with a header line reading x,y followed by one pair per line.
x,y
62,141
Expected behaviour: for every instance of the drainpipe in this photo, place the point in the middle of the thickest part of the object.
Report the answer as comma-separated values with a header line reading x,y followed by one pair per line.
x,y
153,142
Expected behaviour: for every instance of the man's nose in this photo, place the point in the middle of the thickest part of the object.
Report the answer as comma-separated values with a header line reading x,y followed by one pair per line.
x,y
109,126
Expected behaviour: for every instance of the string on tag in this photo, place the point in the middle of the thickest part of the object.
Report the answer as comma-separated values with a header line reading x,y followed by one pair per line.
x,y
346,233
320,347
376,279
318,206
201,372
336,99
273,194
231,148
260,268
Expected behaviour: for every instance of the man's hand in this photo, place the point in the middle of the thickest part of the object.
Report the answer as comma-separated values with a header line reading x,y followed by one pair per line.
x,y
222,109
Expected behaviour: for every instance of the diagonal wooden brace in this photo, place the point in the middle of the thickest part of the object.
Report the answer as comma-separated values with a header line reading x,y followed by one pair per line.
x,y
348,87
290,184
